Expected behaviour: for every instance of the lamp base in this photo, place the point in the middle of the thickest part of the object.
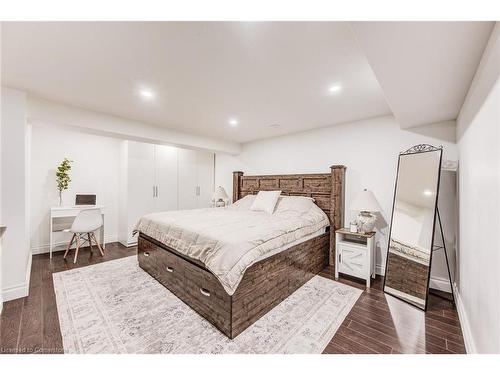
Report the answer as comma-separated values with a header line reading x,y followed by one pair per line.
x,y
220,203
365,222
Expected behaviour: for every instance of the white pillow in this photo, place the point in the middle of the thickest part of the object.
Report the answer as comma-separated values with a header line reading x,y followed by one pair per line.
x,y
244,203
294,203
266,201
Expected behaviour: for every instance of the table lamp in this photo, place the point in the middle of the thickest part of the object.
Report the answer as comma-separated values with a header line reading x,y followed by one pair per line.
x,y
366,203
219,197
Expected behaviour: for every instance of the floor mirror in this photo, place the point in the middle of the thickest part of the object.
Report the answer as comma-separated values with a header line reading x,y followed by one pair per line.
x,y
411,236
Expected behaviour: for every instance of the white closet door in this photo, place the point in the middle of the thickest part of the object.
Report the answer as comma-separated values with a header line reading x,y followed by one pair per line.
x,y
141,181
188,181
205,164
166,178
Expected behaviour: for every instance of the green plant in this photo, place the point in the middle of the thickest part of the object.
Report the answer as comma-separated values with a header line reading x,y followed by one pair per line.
x,y
62,175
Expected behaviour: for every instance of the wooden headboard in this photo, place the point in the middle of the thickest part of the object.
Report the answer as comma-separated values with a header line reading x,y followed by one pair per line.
x,y
327,189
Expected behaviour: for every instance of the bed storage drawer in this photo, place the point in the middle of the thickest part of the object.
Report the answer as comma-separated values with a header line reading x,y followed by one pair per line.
x,y
207,296
162,265
197,287
170,271
146,256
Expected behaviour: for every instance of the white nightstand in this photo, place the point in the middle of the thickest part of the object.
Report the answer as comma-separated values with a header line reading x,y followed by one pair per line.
x,y
355,254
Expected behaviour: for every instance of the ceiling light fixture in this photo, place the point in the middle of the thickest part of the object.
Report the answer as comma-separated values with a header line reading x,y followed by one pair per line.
x,y
233,122
334,89
428,193
147,94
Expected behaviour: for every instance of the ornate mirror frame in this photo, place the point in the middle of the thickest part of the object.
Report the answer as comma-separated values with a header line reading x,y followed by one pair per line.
x,y
417,149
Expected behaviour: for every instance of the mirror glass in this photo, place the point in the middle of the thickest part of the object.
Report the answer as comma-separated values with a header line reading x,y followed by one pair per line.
x,y
412,226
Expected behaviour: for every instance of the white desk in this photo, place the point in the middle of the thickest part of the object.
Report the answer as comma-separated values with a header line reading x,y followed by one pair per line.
x,y
72,211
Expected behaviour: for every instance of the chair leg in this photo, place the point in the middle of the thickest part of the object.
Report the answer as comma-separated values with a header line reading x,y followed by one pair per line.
x,y
90,242
69,245
98,244
77,247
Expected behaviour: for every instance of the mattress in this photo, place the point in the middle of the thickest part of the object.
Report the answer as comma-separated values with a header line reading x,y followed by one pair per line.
x,y
229,240
291,244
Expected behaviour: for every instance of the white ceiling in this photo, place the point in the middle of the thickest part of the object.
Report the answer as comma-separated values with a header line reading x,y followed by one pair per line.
x,y
424,68
202,72
261,73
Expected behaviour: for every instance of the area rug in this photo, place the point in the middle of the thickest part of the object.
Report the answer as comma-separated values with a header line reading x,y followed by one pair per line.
x,y
116,307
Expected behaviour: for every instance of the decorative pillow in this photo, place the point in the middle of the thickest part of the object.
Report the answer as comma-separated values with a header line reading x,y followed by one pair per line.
x,y
244,203
294,203
266,201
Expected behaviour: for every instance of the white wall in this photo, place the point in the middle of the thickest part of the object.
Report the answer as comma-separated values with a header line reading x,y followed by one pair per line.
x,y
1,221
448,207
42,111
368,148
16,256
95,170
478,135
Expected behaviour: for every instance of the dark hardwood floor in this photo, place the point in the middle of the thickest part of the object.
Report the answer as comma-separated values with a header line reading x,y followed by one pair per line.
x,y
379,323
376,324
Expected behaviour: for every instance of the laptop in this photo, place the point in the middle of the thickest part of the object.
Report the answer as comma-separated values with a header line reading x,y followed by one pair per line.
x,y
85,200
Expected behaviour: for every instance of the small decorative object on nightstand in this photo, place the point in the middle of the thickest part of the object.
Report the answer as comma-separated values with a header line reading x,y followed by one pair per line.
x,y
353,227
220,197
355,254
365,202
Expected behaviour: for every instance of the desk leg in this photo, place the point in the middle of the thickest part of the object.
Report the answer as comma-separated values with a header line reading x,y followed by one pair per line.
x,y
50,238
102,234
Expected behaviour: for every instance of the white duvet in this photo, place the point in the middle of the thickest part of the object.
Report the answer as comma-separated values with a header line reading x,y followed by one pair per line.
x,y
229,240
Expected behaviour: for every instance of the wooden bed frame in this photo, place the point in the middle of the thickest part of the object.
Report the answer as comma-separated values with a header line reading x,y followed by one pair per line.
x,y
266,283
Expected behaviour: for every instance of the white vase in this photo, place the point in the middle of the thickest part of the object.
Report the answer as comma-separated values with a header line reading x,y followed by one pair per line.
x,y
366,222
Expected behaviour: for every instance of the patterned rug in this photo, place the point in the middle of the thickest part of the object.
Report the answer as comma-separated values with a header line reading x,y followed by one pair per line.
x,y
116,307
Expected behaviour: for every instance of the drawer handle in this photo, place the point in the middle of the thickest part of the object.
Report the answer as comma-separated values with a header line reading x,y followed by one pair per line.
x,y
170,269
146,254
205,292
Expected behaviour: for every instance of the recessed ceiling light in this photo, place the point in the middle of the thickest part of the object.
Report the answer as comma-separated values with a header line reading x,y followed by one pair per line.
x,y
334,89
428,193
233,122
274,125
147,94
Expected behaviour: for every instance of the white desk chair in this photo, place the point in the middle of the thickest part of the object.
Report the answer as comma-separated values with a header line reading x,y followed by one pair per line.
x,y
85,223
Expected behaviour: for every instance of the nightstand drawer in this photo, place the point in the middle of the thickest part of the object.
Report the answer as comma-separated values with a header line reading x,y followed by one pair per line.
x,y
352,260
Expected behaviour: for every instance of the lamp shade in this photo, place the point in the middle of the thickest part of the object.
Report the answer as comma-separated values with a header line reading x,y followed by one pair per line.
x,y
219,194
365,201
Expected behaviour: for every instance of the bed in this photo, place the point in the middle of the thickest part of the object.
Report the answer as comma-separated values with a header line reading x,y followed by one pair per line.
x,y
204,279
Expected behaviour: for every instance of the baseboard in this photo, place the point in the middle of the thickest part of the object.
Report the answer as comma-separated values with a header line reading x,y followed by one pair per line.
x,y
20,290
380,269
440,283
470,347
43,249
128,244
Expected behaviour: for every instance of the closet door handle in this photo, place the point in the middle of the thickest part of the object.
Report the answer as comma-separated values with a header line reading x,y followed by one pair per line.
x,y
156,191
197,190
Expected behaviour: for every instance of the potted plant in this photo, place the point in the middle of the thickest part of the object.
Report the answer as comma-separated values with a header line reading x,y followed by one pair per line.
x,y
62,177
